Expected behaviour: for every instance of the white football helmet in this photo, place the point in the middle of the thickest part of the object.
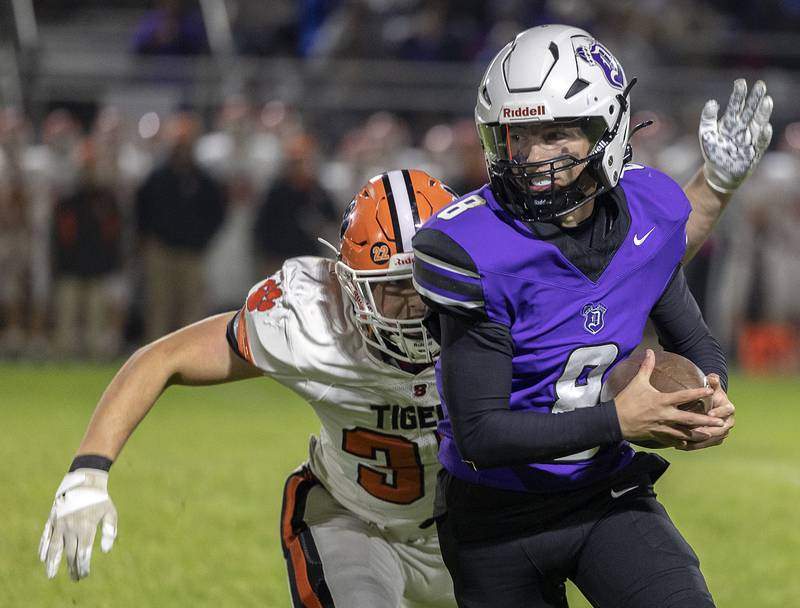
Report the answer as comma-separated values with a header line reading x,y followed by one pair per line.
x,y
553,73
375,252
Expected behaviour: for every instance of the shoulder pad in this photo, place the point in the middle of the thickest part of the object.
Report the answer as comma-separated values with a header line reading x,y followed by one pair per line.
x,y
445,274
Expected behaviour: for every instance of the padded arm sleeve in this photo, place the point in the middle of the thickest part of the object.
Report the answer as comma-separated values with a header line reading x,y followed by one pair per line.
x,y
446,276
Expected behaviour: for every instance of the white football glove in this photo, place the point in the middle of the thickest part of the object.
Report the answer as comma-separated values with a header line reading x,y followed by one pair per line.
x,y
733,146
82,502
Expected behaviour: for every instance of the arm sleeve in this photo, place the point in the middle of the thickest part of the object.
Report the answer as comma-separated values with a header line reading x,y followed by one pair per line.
x,y
476,369
682,330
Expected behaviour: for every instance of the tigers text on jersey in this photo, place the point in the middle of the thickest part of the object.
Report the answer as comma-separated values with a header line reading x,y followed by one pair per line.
x,y
572,316
377,448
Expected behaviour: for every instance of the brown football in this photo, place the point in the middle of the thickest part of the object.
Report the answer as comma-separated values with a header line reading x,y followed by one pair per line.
x,y
671,373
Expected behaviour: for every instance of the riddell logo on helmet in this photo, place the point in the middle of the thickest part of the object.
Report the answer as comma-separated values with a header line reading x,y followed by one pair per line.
x,y
513,113
401,260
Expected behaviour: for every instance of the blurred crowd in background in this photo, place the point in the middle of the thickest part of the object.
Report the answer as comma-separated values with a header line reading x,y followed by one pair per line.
x,y
432,30
120,222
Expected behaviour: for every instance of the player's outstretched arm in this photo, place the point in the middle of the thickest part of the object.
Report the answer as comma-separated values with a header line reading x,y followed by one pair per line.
x,y
195,355
732,147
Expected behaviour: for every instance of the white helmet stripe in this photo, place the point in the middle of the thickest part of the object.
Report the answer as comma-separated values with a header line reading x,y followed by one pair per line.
x,y
402,204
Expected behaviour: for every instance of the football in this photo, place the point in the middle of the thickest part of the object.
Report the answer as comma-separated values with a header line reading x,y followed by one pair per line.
x,y
671,373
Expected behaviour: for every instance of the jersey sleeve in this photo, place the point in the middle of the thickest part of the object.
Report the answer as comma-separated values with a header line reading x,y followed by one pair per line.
x,y
446,276
261,331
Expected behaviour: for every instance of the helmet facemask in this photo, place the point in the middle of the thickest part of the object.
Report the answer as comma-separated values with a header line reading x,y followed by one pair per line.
x,y
545,190
404,338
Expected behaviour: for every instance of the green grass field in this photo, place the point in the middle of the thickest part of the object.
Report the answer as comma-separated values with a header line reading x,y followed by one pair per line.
x,y
198,492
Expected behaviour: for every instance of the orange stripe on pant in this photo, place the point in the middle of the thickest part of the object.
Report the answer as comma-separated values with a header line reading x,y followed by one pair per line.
x,y
292,544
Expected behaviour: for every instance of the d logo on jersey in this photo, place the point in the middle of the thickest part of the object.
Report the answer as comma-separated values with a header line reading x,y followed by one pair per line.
x,y
594,317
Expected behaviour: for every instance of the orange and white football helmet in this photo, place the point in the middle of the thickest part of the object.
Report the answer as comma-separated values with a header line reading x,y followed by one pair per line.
x,y
375,248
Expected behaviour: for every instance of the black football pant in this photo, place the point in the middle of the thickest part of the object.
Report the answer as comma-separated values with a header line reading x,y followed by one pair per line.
x,y
621,552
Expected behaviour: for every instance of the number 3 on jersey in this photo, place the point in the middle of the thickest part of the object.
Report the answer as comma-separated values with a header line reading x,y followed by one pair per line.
x,y
400,480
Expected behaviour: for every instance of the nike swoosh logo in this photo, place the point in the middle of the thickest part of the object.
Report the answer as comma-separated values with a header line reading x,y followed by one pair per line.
x,y
615,494
638,241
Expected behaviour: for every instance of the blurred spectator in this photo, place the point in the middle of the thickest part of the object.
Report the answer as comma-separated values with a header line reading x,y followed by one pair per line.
x,y
777,230
178,209
280,121
651,143
246,160
388,143
120,162
457,153
174,28
87,232
731,271
471,161
14,261
238,148
296,210
121,165
755,270
383,143
50,173
14,233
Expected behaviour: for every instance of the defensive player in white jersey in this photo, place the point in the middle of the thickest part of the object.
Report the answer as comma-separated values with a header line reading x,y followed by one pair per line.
x,y
346,335
361,506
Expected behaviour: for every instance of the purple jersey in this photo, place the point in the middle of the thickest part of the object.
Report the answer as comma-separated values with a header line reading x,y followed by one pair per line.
x,y
568,327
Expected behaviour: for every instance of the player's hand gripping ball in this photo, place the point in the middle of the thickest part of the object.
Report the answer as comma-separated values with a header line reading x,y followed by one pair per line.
x,y
671,373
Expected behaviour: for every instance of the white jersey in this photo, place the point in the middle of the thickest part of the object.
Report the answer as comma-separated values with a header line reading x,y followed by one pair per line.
x,y
376,452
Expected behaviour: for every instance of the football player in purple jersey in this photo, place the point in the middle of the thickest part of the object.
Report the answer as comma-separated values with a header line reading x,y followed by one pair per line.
x,y
543,280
